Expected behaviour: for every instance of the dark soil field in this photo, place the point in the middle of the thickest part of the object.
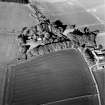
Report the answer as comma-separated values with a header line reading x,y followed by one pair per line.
x,y
58,76
2,83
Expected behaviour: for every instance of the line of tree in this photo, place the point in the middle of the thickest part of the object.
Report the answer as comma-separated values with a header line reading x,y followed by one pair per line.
x,y
16,1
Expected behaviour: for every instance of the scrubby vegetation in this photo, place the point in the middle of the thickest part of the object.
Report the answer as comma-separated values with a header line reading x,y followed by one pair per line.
x,y
47,37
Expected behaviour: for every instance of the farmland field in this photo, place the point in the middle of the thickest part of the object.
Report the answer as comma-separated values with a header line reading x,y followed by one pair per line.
x,y
61,75
8,48
53,77
100,78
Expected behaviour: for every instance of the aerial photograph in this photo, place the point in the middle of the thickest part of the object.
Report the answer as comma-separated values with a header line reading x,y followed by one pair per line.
x,y
52,52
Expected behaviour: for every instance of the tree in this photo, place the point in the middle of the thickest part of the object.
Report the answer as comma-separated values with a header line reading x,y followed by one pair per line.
x,y
17,1
100,46
90,56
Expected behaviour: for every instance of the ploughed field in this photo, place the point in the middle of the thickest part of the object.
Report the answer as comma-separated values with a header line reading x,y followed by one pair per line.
x,y
59,78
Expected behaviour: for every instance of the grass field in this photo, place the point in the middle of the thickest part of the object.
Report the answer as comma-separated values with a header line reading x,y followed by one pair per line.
x,y
8,47
14,16
100,78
